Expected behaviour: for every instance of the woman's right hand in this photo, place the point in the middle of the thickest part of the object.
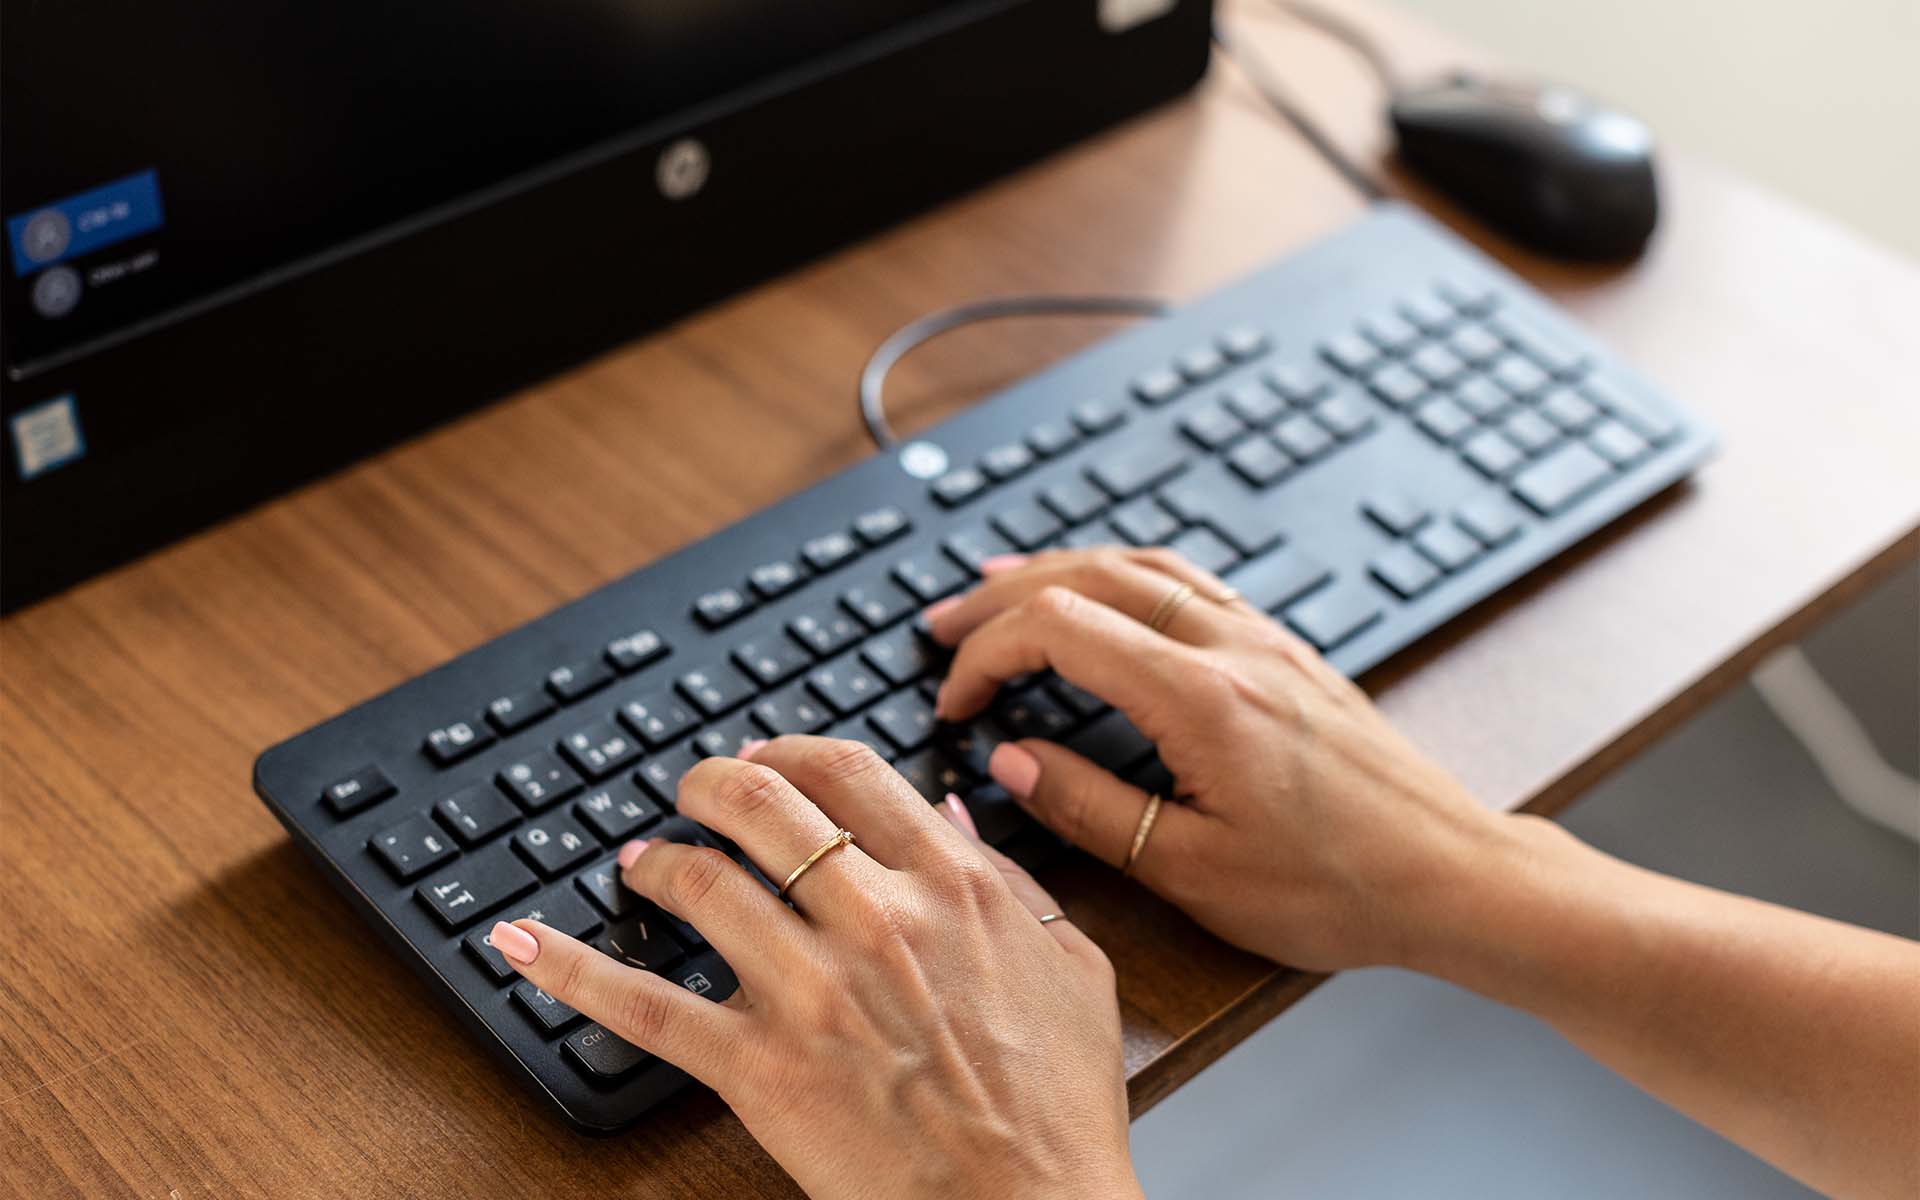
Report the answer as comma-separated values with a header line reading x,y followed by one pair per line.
x,y
1305,828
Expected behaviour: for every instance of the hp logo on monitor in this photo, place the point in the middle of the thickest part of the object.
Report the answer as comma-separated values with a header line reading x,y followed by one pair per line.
x,y
682,169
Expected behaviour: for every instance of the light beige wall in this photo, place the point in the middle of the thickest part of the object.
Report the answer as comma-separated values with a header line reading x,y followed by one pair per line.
x,y
1818,99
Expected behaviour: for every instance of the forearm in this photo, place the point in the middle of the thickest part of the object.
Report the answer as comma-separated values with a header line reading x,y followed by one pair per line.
x,y
1797,1037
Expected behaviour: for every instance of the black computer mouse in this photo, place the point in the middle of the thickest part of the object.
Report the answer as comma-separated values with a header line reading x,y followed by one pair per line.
x,y
1547,165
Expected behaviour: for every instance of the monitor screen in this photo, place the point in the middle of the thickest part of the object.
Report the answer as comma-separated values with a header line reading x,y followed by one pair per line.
x,y
155,157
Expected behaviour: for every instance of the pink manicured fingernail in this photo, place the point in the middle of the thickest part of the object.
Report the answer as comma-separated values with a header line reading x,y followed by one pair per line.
x,y
514,942
1002,562
1014,768
934,611
630,854
750,747
957,812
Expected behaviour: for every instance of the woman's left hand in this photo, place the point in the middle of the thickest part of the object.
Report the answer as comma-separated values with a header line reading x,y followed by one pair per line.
x,y
909,1028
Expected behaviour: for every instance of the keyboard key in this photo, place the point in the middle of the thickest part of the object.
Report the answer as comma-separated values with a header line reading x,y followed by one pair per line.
x,y
1429,312
558,908
930,576
1521,376
1539,345
1090,537
1345,415
1074,500
1533,432
1391,332
362,789
900,655
724,739
1444,420
1130,472
660,774
601,1055
958,486
452,742
1214,498
826,634
772,660
1300,385
1350,352
1212,426
1468,296
1027,526
1618,444
1143,522
1050,439
1081,701
971,547
1303,438
1645,417
617,811
772,580
717,607
846,685
571,682
1034,712
601,884
879,603
1112,741
600,749
1275,579
538,780
793,710
1334,615
933,775
641,939
1446,546
880,526
1259,462
412,848
1158,385
1492,453
1396,512
476,885
628,654
657,718
1242,342
1569,409
1005,462
1476,344
1200,364
855,729
1256,406
512,713
476,813
1482,397
969,746
706,975
715,689
1397,385
1562,477
1204,549
549,1016
904,719
1437,364
1492,518
1098,416
829,550
1405,570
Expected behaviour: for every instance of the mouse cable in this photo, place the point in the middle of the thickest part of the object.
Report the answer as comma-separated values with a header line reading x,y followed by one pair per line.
x,y
873,376
1340,29
1257,73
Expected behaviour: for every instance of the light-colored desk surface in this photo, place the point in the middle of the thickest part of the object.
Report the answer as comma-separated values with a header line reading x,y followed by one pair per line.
x,y
186,1009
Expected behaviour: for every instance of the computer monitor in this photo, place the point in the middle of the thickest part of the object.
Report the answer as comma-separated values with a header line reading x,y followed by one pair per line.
x,y
247,243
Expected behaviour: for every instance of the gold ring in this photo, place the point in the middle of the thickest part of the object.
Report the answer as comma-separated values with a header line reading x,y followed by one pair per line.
x,y
1053,917
1170,604
1140,832
841,837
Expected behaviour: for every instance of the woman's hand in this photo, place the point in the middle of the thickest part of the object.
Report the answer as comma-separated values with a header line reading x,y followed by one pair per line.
x,y
908,1028
1305,828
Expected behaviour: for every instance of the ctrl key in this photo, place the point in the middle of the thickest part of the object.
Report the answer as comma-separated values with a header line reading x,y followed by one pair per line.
x,y
601,1055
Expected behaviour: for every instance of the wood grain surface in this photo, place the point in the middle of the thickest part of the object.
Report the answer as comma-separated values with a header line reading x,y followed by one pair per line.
x,y
187,1010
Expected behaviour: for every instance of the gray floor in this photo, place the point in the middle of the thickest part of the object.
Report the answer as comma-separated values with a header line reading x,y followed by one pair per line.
x,y
1383,1083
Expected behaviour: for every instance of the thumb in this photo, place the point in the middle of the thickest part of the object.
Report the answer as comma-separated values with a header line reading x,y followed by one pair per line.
x,y
1094,809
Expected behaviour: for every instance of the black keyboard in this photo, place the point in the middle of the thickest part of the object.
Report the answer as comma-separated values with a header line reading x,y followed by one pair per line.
x,y
1365,439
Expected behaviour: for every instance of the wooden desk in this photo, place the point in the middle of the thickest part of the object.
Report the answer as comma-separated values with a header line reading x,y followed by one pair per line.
x,y
188,1010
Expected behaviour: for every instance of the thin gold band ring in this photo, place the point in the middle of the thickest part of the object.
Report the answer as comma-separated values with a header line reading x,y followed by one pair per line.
x,y
1170,604
841,837
1140,833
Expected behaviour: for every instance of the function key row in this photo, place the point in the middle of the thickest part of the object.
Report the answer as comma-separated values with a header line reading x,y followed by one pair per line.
x,y
817,555
1046,440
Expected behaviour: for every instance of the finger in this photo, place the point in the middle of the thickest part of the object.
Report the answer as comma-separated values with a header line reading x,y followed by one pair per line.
x,y
1089,644
1111,576
758,935
778,826
700,1037
856,788
1095,810
1025,888
1172,564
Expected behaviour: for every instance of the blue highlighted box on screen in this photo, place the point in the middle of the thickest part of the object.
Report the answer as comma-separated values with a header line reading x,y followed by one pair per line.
x,y
84,222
